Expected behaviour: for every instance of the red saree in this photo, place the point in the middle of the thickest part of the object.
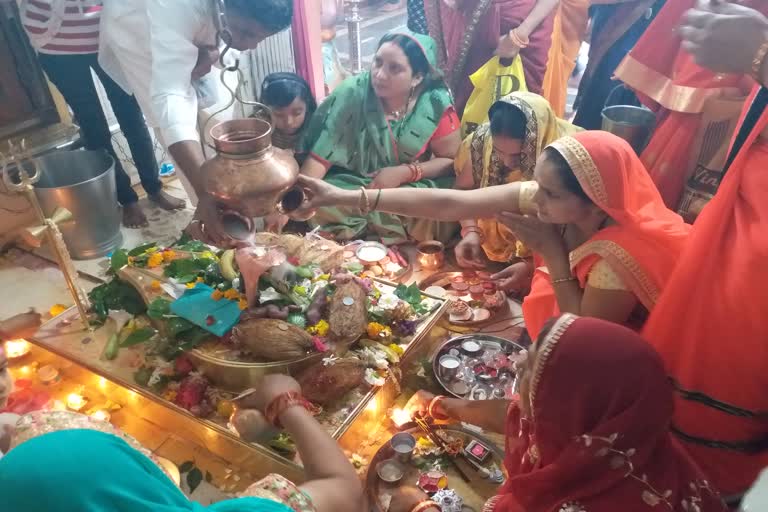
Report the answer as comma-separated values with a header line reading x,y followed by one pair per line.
x,y
641,247
468,38
598,438
711,323
667,80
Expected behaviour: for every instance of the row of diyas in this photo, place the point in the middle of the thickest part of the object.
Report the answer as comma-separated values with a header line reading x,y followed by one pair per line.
x,y
341,358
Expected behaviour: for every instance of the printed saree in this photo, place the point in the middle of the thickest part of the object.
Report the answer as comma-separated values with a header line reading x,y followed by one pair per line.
x,y
710,324
641,247
468,38
350,134
597,439
542,128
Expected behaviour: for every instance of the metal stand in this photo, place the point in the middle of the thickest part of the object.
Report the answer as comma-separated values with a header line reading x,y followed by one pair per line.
x,y
353,20
22,181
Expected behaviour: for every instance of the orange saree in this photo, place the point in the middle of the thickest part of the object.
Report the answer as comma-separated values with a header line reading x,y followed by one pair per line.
x,y
567,36
667,80
642,245
711,322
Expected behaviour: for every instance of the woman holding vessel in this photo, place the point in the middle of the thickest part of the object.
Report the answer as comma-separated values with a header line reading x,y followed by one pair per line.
x,y
604,244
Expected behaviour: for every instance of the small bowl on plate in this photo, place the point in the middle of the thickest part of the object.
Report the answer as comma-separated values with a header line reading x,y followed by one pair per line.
x,y
390,471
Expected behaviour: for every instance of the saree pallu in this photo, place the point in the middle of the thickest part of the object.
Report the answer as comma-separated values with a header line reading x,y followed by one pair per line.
x,y
711,327
667,80
467,39
643,244
570,25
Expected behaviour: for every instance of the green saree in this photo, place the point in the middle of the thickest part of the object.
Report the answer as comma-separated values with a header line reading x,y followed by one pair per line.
x,y
351,135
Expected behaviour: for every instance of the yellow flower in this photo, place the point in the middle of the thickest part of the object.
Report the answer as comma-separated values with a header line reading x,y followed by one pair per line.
x,y
170,394
209,255
151,250
57,309
155,260
191,285
242,304
397,349
155,285
199,280
217,295
131,259
374,329
232,294
169,255
319,329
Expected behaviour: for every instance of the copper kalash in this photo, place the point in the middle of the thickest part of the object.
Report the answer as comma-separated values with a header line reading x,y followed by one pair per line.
x,y
248,176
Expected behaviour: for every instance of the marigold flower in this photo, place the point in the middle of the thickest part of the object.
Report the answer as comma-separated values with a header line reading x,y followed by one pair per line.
x,y
155,260
217,295
155,285
232,294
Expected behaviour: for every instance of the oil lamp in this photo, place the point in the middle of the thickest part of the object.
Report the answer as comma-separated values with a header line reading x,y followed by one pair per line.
x,y
16,349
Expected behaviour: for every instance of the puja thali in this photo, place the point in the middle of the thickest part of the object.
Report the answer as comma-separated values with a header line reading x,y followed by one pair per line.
x,y
477,367
411,459
475,299
377,260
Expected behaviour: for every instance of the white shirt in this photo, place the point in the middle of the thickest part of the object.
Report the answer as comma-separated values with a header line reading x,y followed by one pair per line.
x,y
150,47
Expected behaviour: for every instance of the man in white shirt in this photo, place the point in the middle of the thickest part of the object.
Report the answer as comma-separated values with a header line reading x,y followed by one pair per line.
x,y
155,48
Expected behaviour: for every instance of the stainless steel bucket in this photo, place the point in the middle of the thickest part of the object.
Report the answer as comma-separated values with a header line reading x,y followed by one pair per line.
x,y
633,124
83,182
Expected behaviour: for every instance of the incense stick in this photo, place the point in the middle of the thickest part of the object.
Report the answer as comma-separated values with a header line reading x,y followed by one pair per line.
x,y
423,425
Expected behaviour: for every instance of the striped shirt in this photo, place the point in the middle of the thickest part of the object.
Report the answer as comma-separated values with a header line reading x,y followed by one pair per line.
x,y
62,27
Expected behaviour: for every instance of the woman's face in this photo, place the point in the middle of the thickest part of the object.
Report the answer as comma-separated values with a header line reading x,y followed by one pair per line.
x,y
526,377
508,150
391,74
556,204
290,119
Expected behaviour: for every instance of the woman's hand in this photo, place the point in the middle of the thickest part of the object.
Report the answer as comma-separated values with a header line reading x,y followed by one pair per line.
x,y
318,193
405,499
723,36
6,436
390,177
419,403
516,277
20,326
469,252
538,236
506,48
269,388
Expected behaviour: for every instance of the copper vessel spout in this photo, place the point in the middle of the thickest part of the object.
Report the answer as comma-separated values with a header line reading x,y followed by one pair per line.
x,y
248,175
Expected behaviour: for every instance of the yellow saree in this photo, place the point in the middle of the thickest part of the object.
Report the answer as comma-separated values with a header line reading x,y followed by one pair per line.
x,y
542,128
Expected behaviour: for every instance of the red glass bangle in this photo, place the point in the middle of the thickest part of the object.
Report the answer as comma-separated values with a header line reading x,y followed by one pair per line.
x,y
284,402
425,505
431,409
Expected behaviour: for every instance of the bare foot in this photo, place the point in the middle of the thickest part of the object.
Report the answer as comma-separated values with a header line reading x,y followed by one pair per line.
x,y
167,202
133,216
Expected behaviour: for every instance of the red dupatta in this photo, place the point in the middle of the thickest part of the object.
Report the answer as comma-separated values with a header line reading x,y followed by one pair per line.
x,y
598,438
664,75
711,322
643,244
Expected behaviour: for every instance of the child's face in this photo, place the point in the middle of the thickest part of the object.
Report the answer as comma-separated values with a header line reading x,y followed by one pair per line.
x,y
6,381
290,119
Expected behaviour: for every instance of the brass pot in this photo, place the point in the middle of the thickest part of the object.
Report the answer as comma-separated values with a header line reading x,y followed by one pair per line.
x,y
248,175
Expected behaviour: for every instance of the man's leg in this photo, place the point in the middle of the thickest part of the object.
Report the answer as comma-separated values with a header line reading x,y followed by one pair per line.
x,y
134,128
71,74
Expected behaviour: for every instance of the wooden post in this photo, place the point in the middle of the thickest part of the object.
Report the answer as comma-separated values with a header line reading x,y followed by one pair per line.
x,y
307,45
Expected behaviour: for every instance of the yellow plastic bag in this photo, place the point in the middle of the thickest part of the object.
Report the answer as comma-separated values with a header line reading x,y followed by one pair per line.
x,y
492,81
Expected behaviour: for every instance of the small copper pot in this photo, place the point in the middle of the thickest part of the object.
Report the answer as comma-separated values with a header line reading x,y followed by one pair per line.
x,y
431,255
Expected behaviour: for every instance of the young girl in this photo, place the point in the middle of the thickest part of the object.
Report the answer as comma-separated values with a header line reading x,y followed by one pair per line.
x,y
292,104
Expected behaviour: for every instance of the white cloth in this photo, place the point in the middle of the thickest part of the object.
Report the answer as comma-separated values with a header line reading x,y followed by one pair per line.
x,y
150,47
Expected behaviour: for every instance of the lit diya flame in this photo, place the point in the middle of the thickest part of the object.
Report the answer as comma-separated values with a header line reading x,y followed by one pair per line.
x,y
76,401
400,417
101,415
17,348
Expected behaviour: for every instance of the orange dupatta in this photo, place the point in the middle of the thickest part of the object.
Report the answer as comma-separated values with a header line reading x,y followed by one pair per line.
x,y
641,247
711,323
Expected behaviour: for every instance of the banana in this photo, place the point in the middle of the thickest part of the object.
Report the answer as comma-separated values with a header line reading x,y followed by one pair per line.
x,y
227,265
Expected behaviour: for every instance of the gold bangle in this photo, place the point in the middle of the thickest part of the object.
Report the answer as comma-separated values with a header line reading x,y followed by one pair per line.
x,y
365,203
564,280
376,202
757,62
425,505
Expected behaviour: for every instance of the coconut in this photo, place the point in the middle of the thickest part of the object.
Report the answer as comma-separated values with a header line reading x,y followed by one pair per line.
x,y
347,312
323,384
272,339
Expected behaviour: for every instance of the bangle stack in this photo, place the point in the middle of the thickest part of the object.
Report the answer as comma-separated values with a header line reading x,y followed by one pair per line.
x,y
473,229
432,408
284,402
417,172
365,203
758,61
425,505
518,40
